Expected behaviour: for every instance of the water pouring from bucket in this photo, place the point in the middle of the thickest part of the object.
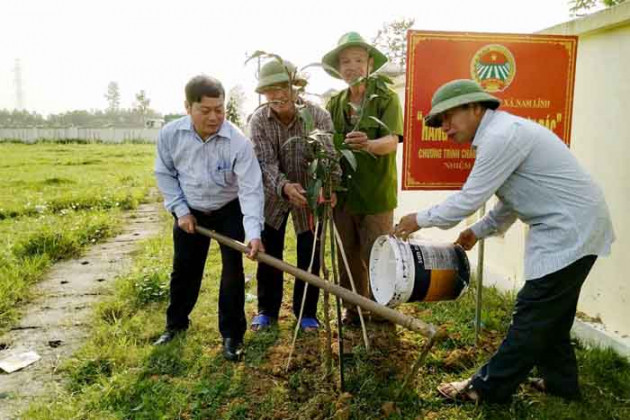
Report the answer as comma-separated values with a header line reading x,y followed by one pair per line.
x,y
417,271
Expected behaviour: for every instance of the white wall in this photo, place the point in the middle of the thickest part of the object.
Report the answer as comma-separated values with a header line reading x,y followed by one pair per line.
x,y
601,142
110,135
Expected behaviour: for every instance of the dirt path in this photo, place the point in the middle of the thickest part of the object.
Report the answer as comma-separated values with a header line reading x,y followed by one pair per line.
x,y
56,323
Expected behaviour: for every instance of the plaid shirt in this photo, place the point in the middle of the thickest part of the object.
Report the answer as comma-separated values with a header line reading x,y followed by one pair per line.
x,y
281,165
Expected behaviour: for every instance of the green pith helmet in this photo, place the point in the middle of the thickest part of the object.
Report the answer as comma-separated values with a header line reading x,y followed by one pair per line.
x,y
274,72
352,39
456,93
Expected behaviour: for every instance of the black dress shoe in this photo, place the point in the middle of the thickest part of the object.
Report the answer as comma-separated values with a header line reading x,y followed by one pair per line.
x,y
232,349
168,336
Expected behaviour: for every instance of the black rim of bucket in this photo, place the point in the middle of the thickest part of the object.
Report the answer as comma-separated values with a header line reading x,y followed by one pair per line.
x,y
464,268
420,288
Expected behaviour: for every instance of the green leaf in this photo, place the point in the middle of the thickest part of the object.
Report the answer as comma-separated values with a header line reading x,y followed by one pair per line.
x,y
294,138
316,139
365,152
312,167
352,160
263,54
306,116
256,54
356,108
339,141
318,132
357,81
386,79
381,123
312,193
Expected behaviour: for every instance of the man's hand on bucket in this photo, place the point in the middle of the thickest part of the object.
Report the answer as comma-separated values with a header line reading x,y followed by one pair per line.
x,y
406,226
467,239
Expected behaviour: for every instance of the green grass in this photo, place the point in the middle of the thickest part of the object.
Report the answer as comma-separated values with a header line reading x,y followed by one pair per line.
x,y
118,374
56,199
50,178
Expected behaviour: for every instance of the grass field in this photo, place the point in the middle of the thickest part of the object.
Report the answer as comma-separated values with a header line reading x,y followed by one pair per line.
x,y
118,374
56,199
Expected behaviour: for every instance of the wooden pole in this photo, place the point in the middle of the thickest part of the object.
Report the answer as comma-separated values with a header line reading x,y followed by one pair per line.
x,y
480,257
335,272
411,323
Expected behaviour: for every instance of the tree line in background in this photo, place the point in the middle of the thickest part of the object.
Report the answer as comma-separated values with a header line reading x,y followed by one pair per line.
x,y
124,118
112,116
140,115
391,39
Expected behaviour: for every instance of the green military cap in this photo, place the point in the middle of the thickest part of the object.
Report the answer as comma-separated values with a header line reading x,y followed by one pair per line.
x,y
352,39
275,72
457,93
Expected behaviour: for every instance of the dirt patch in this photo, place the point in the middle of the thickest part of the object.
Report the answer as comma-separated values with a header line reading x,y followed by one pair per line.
x,y
56,323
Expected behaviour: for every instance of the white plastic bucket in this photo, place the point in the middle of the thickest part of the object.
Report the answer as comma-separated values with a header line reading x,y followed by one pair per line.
x,y
412,271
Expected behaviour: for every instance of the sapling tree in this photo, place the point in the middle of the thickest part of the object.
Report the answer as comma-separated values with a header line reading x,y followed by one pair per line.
x,y
329,153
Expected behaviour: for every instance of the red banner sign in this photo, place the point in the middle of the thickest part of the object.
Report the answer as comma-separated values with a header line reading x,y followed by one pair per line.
x,y
532,75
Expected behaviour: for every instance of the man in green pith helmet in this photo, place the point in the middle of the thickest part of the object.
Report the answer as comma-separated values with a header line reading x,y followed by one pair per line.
x,y
284,167
538,181
366,210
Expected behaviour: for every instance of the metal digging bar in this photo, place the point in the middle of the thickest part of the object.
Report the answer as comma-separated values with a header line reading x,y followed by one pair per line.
x,y
428,330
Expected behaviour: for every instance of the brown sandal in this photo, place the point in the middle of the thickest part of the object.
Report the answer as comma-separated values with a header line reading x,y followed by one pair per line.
x,y
461,391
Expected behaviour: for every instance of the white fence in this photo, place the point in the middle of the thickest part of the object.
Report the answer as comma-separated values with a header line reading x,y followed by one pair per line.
x,y
107,135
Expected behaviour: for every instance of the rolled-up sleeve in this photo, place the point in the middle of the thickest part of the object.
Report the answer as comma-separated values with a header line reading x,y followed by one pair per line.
x,y
166,177
497,158
392,117
251,195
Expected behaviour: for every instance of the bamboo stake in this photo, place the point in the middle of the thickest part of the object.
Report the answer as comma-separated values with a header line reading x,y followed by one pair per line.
x,y
310,269
322,261
414,369
354,289
335,270
480,259
411,323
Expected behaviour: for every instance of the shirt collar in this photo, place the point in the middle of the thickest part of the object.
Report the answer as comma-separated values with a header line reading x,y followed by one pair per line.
x,y
483,124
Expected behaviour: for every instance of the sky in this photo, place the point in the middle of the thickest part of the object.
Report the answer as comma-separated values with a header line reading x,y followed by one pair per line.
x,y
70,50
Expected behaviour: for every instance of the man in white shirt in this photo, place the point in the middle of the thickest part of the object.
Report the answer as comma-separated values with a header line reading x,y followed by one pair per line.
x,y
208,173
538,181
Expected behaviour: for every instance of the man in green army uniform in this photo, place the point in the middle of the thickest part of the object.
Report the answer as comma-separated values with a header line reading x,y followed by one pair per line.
x,y
367,209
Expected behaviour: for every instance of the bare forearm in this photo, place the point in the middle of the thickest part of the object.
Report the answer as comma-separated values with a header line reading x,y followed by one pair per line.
x,y
384,145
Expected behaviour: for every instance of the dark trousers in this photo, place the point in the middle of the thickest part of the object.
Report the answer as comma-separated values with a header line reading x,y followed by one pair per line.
x,y
538,336
270,280
189,260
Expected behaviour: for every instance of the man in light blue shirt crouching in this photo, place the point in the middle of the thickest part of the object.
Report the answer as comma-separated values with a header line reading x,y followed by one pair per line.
x,y
209,175
537,180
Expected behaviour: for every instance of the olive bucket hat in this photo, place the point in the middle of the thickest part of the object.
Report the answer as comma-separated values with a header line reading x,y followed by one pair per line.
x,y
457,93
352,39
275,72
